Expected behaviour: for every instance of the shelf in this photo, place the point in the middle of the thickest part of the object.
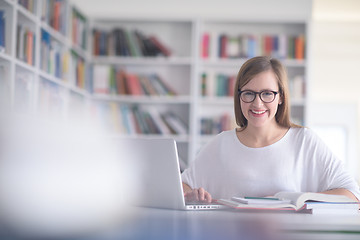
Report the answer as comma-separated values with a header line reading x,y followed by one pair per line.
x,y
142,60
4,56
26,13
144,99
25,65
177,138
236,62
55,34
217,101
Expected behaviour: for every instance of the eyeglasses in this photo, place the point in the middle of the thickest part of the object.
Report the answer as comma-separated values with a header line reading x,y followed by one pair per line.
x,y
266,96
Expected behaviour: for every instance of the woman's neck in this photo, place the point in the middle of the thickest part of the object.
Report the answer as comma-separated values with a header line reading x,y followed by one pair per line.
x,y
257,137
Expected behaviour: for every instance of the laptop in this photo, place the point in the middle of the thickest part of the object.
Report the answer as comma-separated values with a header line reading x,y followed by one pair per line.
x,y
158,170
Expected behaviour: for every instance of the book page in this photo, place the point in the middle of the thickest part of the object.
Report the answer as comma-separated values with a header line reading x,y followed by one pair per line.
x,y
299,198
292,196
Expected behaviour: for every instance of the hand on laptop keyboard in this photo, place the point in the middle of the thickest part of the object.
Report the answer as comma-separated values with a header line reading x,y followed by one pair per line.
x,y
197,195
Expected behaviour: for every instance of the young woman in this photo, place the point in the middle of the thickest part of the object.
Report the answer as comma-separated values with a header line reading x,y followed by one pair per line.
x,y
267,153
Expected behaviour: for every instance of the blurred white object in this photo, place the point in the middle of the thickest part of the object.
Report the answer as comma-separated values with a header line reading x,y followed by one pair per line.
x,y
60,180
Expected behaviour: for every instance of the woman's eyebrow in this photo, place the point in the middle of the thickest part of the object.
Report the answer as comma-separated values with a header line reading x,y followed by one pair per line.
x,y
265,89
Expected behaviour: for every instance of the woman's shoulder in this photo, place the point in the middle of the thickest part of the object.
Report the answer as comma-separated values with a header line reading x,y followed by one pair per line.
x,y
305,133
223,136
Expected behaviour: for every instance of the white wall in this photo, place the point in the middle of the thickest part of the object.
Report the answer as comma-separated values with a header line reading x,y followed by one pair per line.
x,y
249,9
335,63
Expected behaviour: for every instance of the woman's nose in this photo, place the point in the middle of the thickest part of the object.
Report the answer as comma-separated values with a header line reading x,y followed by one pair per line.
x,y
257,101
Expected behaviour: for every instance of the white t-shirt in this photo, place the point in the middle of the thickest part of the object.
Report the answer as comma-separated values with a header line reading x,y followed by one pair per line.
x,y
299,162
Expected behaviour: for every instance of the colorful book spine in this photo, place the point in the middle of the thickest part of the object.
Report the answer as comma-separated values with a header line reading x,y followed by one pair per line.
x,y
78,33
25,45
53,57
247,46
205,45
135,119
109,80
54,13
221,85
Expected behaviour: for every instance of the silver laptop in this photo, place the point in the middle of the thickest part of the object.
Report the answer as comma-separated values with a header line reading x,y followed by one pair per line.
x,y
159,173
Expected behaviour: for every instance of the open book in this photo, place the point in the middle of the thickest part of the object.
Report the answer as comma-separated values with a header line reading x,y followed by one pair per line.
x,y
294,201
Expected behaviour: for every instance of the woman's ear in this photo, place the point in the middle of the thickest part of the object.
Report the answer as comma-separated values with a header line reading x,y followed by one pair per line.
x,y
281,100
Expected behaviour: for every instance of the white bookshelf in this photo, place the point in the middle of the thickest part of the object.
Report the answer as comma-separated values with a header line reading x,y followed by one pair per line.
x,y
31,88
45,92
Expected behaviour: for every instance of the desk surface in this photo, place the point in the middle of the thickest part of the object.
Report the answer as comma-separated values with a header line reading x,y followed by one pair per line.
x,y
226,224
149,223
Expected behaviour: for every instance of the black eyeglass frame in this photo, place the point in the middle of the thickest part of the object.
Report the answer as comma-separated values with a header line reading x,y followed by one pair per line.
x,y
257,93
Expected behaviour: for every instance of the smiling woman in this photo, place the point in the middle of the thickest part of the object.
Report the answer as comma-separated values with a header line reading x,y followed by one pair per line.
x,y
267,153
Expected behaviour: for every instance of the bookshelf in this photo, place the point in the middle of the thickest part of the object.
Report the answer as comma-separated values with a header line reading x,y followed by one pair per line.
x,y
67,64
42,64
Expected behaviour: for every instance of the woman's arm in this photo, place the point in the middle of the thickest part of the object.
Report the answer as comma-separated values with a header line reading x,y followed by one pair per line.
x,y
342,191
196,195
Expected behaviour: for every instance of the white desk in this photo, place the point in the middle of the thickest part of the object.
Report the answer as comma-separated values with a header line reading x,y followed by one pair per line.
x,y
161,224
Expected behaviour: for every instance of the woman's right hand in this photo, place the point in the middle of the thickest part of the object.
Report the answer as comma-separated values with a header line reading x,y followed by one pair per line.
x,y
197,195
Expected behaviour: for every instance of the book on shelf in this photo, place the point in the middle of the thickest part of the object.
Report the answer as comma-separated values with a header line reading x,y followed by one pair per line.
x,y
134,85
299,47
220,85
307,202
205,45
161,48
216,124
233,49
136,119
156,116
111,80
249,45
53,57
28,4
25,44
78,72
124,42
54,13
297,87
101,79
2,30
174,123
78,33
4,89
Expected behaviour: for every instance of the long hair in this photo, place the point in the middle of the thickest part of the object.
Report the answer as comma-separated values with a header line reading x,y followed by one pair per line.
x,y
248,71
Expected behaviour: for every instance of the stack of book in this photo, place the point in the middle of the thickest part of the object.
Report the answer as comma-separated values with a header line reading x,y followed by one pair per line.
x,y
121,42
133,119
215,125
315,203
54,13
246,46
220,85
109,80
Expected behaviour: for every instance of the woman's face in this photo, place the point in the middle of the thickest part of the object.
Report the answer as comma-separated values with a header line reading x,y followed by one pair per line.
x,y
259,113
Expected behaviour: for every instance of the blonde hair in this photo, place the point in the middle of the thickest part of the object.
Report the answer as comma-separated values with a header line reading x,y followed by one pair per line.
x,y
248,71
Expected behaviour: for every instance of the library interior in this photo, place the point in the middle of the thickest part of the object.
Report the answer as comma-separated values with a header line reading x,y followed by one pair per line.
x,y
78,78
